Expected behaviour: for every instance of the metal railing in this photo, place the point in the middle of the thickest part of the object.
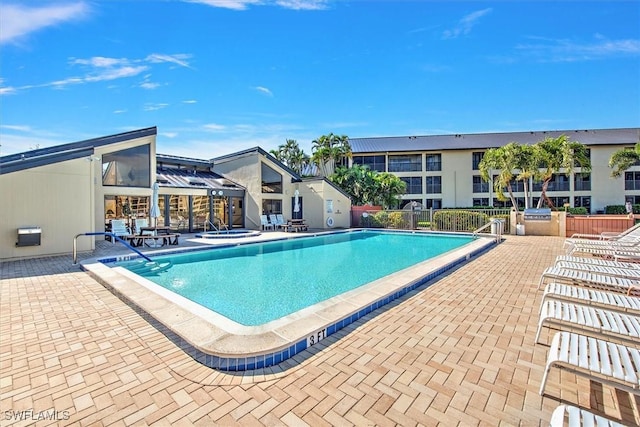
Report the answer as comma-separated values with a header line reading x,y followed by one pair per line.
x,y
454,220
100,233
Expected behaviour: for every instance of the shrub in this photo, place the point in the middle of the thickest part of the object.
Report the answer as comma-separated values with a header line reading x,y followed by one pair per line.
x,y
577,211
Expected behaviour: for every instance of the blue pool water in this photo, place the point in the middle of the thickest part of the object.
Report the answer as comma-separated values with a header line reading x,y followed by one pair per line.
x,y
255,283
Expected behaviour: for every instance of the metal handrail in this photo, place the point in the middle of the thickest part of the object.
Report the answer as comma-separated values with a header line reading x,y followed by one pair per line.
x,y
100,233
498,234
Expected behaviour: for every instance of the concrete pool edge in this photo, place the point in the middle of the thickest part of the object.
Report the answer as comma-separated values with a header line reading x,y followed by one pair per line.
x,y
246,348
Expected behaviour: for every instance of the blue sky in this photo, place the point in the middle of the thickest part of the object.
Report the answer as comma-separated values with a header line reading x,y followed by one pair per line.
x,y
218,76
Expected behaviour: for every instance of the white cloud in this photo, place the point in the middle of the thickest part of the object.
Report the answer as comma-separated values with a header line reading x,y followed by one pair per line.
x,y
264,90
244,4
190,101
564,50
214,127
227,4
178,59
154,107
466,24
119,111
18,21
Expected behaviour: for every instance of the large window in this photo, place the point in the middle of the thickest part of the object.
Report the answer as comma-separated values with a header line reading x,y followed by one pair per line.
x,y
434,162
632,180
480,185
271,180
434,184
406,163
582,202
375,163
481,201
582,182
517,186
433,204
127,168
271,206
414,184
476,158
558,183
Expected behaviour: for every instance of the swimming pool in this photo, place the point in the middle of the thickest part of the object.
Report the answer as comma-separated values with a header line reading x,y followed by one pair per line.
x,y
221,343
260,283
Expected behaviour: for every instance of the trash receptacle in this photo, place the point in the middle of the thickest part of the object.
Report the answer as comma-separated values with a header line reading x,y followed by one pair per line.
x,y
520,229
29,236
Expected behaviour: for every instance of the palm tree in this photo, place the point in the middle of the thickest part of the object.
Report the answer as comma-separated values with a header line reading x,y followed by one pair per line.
x,y
556,155
389,187
330,150
503,159
291,155
623,159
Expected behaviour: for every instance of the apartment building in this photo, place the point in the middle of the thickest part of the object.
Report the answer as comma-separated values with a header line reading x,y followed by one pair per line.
x,y
441,171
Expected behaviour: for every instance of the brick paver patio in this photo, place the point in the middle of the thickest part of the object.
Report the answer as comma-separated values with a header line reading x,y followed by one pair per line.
x,y
458,353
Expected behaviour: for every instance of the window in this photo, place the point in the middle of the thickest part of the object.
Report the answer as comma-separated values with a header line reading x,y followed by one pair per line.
x,y
434,162
127,168
481,201
577,165
507,203
582,202
271,206
557,183
375,163
406,163
516,186
434,184
414,184
558,202
271,180
582,182
433,204
479,185
632,180
476,158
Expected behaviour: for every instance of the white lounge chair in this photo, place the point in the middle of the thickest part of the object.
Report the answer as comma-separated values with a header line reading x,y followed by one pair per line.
x,y
602,247
566,415
595,261
592,280
597,359
264,222
280,222
609,270
587,296
631,233
612,325
119,228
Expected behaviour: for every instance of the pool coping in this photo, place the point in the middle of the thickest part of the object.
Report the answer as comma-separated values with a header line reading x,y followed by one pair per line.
x,y
222,344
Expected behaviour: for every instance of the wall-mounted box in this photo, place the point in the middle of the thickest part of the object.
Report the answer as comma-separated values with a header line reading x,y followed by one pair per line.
x,y
29,236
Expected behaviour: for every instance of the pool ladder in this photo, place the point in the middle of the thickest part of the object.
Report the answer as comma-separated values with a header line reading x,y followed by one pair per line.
x,y
113,236
213,226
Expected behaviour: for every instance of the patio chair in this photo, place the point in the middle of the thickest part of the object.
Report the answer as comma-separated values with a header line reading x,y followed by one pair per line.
x,y
561,259
119,228
587,296
589,320
139,224
608,270
264,222
606,246
630,233
567,415
597,359
280,222
589,279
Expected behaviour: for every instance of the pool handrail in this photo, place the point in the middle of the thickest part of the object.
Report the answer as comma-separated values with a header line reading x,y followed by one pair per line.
x,y
103,233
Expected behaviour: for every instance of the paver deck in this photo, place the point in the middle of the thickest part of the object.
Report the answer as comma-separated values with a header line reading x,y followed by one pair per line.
x,y
457,353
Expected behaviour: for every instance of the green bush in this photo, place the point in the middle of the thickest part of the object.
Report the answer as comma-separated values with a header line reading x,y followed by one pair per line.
x,y
620,209
577,211
458,220
397,220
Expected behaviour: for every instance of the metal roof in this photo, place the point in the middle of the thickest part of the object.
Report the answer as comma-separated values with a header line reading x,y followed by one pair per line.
x,y
183,178
481,141
70,151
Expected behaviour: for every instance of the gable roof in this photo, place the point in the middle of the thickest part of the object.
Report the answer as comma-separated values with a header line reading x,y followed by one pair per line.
x,y
257,150
481,141
64,152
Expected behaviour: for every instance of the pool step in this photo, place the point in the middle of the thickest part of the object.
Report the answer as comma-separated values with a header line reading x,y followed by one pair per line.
x,y
145,267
